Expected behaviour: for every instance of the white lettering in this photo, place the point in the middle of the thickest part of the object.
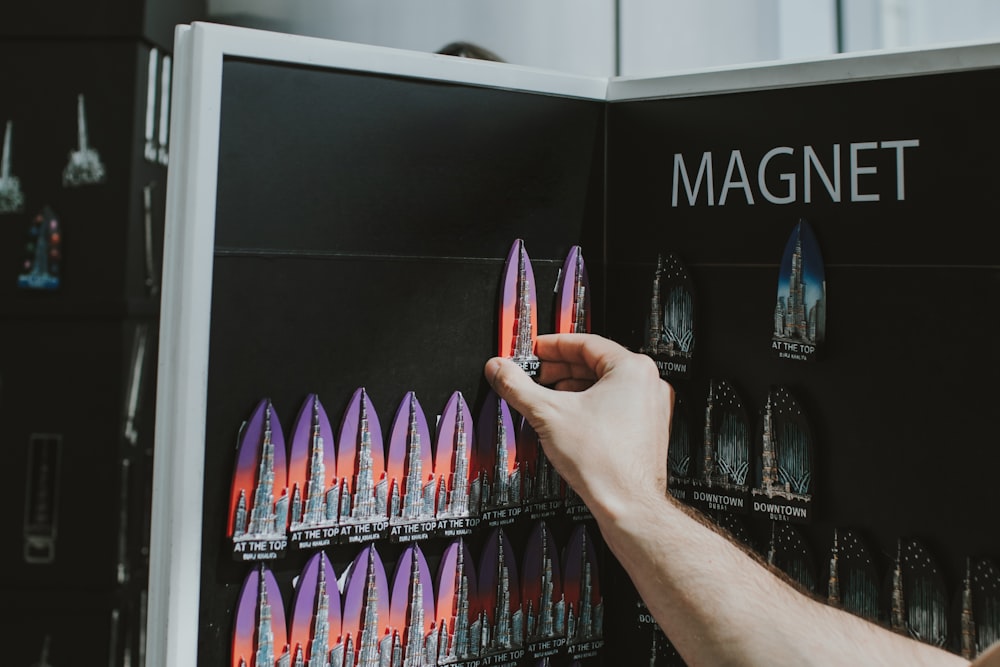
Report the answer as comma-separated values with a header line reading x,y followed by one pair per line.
x,y
788,178
809,157
704,171
858,170
899,145
735,162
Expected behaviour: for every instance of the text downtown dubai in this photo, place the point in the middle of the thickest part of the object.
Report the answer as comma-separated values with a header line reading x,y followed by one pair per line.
x,y
694,178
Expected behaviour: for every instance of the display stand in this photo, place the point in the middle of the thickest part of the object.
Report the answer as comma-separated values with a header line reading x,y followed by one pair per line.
x,y
339,216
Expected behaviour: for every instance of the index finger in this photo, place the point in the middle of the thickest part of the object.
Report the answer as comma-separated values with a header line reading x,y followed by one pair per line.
x,y
572,351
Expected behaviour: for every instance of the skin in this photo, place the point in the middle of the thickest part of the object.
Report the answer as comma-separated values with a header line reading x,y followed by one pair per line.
x,y
603,416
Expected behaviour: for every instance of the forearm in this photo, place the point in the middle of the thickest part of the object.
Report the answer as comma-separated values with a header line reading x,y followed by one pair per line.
x,y
719,606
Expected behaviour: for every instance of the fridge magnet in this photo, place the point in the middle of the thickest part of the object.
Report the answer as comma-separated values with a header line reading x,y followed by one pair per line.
x,y
457,515
582,589
502,640
800,309
979,615
670,329
361,466
460,627
258,499
43,253
498,482
411,610
367,635
918,601
315,635
542,592
11,197
541,485
41,498
679,452
519,310
852,584
313,480
788,551
260,636
721,483
784,470
409,469
84,166
573,295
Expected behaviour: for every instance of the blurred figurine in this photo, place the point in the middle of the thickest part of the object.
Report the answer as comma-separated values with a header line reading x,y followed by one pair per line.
x,y
84,166
11,197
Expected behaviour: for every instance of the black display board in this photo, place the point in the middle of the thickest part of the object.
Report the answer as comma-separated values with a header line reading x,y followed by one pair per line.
x,y
901,400
359,222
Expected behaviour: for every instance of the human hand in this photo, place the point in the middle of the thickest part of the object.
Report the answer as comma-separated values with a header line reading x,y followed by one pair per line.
x,y
604,423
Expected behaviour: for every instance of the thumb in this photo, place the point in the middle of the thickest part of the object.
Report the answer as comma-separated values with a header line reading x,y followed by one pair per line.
x,y
513,385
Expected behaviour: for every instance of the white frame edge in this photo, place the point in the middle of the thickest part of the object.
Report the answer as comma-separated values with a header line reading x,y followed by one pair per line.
x,y
843,68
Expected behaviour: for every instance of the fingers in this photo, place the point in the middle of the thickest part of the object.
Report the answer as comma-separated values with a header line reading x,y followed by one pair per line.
x,y
587,351
513,385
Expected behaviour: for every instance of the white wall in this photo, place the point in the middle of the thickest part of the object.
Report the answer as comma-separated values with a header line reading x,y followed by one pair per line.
x,y
567,35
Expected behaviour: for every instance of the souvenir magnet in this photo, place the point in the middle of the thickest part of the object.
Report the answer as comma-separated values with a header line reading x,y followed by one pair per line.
x,y
149,148
584,602
670,328
498,483
542,592
541,485
573,298
313,479
366,611
519,310
800,309
11,197
41,498
459,625
679,468
316,622
917,598
84,166
853,580
409,469
260,636
258,499
411,609
499,589
721,483
788,551
454,447
43,253
979,616
361,466
784,469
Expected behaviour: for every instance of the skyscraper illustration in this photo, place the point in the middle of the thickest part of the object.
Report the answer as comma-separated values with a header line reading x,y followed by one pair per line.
x,y
319,644
769,461
652,345
523,347
458,480
546,616
725,447
11,196
504,488
415,652
317,511
968,622
267,517
368,500
833,583
579,298
671,319
795,320
587,622
897,616
508,626
368,644
458,645
265,653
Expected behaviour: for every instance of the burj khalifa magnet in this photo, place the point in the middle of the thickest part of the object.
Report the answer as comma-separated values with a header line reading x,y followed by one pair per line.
x,y
542,487
979,614
722,483
367,635
258,503
785,475
584,601
412,491
498,480
918,602
670,328
457,515
260,636
412,610
316,622
853,578
519,310
573,298
11,197
800,309
361,464
502,637
542,592
679,459
84,166
313,479
41,267
460,625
